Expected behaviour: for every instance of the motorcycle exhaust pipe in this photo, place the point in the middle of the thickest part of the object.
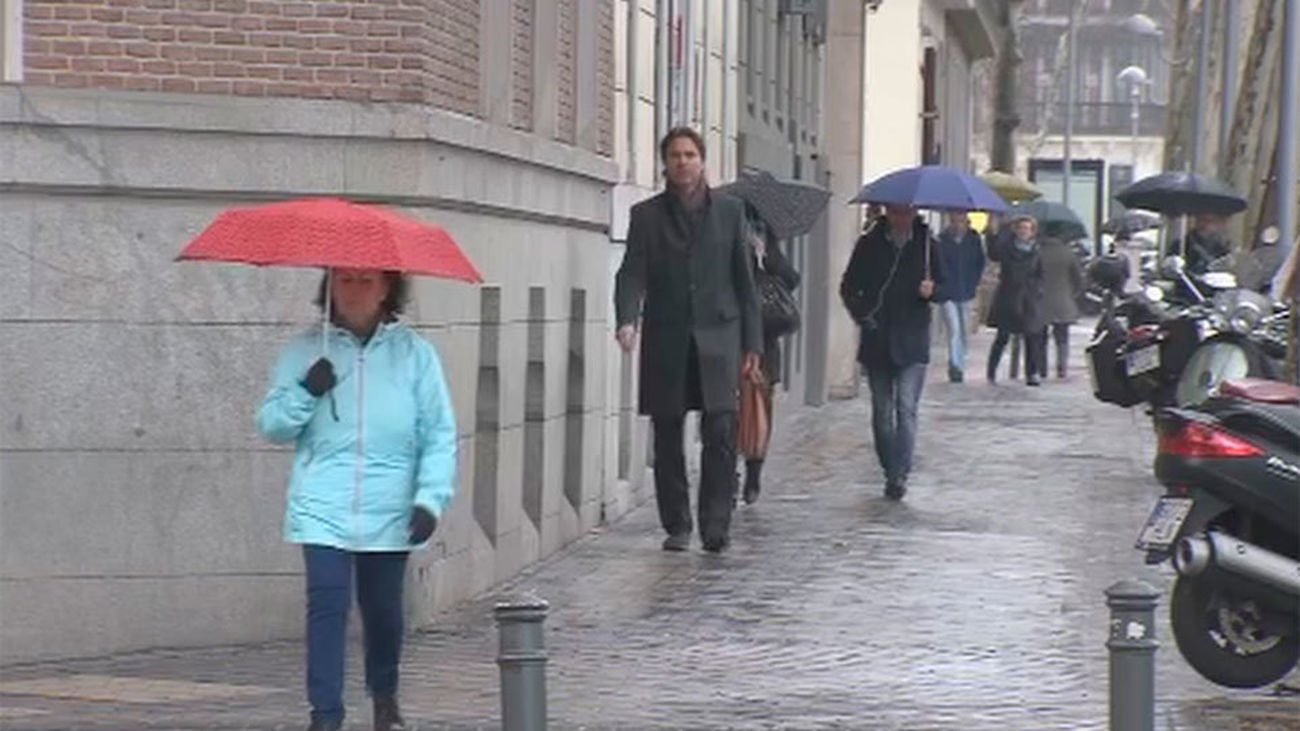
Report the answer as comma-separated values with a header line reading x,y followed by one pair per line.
x,y
1194,554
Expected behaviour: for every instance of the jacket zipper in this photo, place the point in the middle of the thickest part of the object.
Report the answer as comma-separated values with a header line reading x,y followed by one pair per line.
x,y
359,470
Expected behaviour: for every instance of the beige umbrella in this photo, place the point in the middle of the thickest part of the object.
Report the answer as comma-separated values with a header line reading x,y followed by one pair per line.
x,y
1010,187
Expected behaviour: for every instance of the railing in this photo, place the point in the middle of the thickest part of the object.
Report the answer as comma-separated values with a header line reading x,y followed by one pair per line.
x,y
1095,118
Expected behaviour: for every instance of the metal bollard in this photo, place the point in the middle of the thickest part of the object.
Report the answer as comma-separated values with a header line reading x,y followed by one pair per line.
x,y
1132,646
522,659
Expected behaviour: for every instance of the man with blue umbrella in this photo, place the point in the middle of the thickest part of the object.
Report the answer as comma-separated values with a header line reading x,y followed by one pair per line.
x,y
888,286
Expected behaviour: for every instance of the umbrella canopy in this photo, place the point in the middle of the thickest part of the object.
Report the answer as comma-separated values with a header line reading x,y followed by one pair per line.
x,y
1054,219
1131,222
1011,187
788,207
932,186
1179,193
330,232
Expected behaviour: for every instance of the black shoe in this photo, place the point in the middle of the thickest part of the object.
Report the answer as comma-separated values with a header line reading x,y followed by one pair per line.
x,y
752,486
387,715
716,545
955,375
895,489
322,724
1033,381
677,542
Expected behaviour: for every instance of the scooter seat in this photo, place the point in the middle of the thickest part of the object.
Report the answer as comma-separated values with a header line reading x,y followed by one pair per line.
x,y
1261,391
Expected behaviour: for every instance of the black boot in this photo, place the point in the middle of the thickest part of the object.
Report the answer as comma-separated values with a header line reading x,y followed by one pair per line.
x,y
387,715
995,356
322,724
753,469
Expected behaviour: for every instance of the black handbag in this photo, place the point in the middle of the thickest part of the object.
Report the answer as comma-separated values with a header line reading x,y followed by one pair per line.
x,y
779,310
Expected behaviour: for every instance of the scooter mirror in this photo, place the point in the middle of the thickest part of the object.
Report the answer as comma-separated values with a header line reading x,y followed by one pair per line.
x,y
1173,266
1270,235
1154,293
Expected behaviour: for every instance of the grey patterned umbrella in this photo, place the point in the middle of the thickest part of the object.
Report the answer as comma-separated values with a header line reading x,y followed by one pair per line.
x,y
788,207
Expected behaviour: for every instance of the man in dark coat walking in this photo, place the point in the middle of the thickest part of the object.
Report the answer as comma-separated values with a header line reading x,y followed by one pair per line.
x,y
686,278
887,288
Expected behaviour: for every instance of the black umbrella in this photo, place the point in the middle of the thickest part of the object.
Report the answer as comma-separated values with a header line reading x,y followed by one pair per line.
x,y
788,207
1055,220
1178,193
1132,222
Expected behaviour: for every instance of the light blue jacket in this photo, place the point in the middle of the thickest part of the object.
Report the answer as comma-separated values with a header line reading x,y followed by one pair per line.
x,y
356,479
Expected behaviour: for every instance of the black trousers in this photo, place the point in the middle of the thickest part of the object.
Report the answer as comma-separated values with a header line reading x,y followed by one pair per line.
x,y
1060,334
717,474
1035,352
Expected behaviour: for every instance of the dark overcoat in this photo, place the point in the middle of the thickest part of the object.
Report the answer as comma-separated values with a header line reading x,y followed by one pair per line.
x,y
881,290
1018,300
687,277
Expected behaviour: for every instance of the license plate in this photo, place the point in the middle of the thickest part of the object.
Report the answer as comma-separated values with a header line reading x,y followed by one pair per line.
x,y
1143,360
1166,519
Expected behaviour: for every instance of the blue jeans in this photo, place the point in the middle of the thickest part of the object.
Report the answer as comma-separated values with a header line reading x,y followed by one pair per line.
x,y
895,395
379,581
954,317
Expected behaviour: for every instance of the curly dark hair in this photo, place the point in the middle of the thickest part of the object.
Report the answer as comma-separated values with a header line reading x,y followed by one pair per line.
x,y
399,292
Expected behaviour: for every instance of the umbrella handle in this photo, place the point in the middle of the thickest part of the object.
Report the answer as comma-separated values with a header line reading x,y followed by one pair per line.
x,y
325,324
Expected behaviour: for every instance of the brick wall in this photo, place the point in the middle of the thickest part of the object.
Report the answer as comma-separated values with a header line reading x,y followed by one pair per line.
x,y
605,77
566,79
422,51
521,65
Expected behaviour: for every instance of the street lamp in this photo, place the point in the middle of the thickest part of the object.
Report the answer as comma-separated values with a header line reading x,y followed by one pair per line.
x,y
1144,25
1136,78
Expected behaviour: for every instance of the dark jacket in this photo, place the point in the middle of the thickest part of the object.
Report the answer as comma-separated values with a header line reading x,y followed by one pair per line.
x,y
963,265
894,319
687,277
1017,303
775,264
1062,282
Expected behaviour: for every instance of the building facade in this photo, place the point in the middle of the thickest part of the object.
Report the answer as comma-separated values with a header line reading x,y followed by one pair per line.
x,y
138,507
1119,122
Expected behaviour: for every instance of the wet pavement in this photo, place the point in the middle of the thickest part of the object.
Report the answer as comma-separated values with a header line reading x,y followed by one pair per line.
x,y
975,604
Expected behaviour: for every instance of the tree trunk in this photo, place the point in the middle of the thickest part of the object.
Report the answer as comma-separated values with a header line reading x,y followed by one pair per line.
x,y
1006,117
1252,146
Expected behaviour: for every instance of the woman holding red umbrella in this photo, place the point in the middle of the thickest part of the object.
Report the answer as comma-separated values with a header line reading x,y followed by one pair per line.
x,y
363,399
374,468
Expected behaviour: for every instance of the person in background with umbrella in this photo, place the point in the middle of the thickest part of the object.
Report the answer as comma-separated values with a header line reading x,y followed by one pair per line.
x,y
374,467
686,278
1206,242
887,288
1017,300
962,261
1062,287
767,258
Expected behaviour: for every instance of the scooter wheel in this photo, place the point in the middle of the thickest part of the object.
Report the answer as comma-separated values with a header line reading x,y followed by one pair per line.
x,y
1222,639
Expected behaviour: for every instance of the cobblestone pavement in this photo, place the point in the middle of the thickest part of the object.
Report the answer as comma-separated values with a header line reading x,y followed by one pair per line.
x,y
975,604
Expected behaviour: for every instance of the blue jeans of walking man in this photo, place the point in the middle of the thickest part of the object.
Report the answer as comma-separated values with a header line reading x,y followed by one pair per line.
x,y
895,396
954,318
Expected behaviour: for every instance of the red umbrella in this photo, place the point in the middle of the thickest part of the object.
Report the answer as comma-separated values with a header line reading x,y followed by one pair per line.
x,y
330,232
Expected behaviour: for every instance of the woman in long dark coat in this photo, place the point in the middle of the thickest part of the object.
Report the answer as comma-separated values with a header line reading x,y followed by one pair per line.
x,y
1062,285
767,258
1017,303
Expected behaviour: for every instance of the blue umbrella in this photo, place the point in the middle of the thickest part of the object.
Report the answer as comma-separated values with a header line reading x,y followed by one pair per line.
x,y
932,186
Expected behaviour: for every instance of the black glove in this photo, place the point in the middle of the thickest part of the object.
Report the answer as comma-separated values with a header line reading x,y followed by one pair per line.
x,y
320,378
422,525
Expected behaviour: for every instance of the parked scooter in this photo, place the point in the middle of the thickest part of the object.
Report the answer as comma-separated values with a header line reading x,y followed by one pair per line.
x,y
1230,522
1179,338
